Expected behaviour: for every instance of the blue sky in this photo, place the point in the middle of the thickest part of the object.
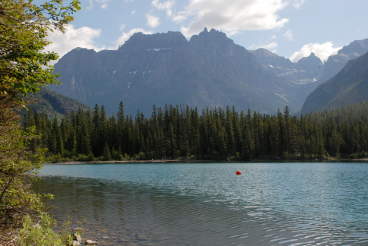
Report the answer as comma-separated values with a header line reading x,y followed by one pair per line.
x,y
291,28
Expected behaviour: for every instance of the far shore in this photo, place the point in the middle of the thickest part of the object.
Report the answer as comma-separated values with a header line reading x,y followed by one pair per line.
x,y
201,161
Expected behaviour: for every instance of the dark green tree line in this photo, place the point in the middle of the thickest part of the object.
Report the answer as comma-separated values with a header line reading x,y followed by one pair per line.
x,y
174,132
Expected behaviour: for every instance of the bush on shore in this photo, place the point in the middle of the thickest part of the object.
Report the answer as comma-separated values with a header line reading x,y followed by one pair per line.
x,y
41,233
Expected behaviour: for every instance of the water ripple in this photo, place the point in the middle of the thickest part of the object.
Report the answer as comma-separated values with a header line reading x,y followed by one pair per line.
x,y
199,204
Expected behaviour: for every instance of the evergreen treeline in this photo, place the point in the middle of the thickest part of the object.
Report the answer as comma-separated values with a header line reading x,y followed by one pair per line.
x,y
175,132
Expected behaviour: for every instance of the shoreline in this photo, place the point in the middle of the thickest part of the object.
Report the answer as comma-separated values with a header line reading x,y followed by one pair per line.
x,y
202,161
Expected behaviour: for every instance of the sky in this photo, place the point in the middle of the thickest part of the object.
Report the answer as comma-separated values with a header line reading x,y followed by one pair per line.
x,y
290,28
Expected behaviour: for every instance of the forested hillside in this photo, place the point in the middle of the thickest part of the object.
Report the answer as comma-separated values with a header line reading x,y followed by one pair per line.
x,y
52,103
176,132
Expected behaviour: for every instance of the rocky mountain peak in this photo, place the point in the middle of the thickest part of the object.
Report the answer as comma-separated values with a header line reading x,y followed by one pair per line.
x,y
77,55
336,62
264,52
155,41
79,52
348,87
312,59
211,39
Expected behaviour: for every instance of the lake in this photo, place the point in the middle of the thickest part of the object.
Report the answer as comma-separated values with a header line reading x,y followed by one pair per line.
x,y
207,204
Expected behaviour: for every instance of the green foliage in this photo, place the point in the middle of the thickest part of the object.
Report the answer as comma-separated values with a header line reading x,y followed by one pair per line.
x,y
106,153
182,132
24,26
18,162
25,68
41,233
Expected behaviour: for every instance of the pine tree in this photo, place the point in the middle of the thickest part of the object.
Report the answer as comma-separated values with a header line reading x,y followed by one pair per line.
x,y
106,152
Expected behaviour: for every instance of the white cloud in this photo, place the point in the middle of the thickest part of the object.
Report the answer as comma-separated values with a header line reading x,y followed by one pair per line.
x,y
152,21
232,16
298,3
289,35
126,35
165,6
269,46
322,50
133,12
83,37
179,17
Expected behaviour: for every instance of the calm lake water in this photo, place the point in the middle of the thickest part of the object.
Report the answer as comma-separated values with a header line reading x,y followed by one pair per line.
x,y
207,204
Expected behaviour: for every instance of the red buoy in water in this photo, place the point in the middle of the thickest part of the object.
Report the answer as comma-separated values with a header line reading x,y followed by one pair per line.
x,y
238,173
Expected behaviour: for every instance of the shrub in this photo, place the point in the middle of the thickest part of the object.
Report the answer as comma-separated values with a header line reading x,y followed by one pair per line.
x,y
41,233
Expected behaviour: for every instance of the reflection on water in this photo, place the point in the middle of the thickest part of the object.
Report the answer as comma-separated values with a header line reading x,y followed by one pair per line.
x,y
276,204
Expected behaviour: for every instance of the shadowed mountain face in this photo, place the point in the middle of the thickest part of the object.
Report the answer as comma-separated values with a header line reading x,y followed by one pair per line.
x,y
349,86
52,103
208,70
337,62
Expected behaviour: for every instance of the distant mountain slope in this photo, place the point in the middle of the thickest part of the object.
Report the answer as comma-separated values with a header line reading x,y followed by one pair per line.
x,y
309,72
52,103
349,86
311,67
337,62
304,71
165,68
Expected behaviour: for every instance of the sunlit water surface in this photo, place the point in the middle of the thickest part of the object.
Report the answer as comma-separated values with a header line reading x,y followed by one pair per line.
x,y
207,204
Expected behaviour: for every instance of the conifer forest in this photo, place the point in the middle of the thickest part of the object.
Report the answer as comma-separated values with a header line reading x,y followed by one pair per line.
x,y
183,132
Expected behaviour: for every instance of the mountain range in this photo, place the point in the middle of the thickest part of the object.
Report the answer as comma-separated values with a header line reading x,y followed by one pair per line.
x,y
207,70
349,86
